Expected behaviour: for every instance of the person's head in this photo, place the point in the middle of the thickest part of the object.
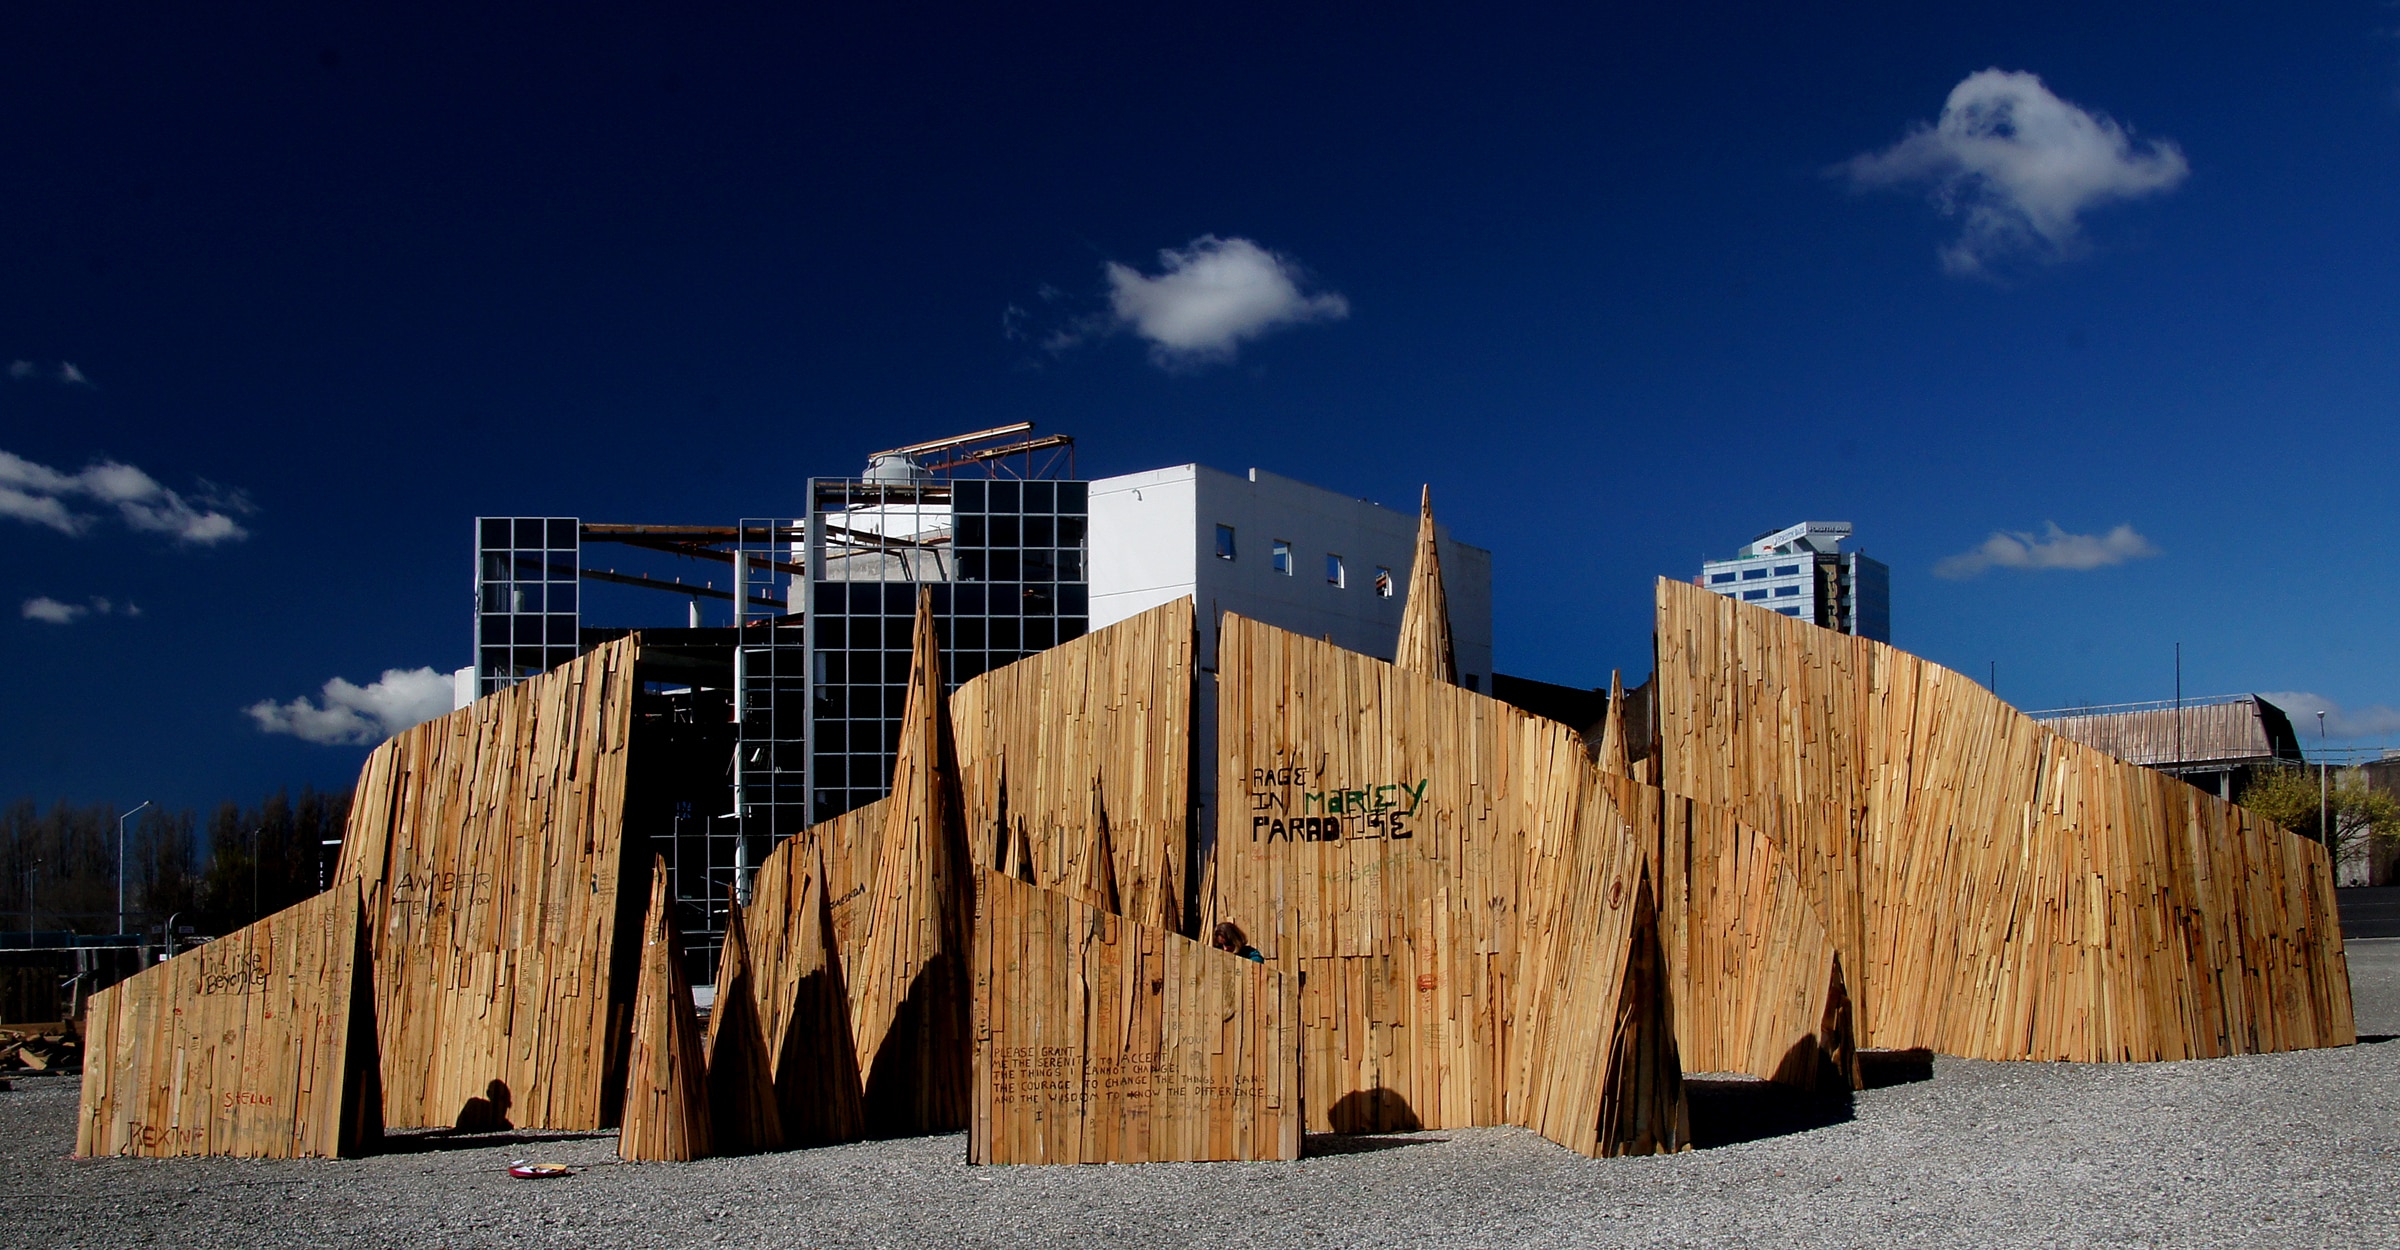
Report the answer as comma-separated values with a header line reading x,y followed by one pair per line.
x,y
1229,937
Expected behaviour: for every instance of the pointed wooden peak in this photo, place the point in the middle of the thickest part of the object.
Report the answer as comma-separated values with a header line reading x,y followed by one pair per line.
x,y
1425,645
1100,865
743,1116
908,1010
666,1081
1614,758
1018,863
925,724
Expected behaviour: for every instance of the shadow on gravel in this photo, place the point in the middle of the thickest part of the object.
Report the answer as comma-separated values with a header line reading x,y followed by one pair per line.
x,y
1730,1110
2370,1039
1883,1068
1317,1145
430,1140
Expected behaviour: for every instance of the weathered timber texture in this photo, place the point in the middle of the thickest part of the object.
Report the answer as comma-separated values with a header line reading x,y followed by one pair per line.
x,y
1758,986
260,1044
1995,890
801,1001
1373,839
1084,746
1595,1067
666,1083
1425,646
744,1115
488,846
1102,1040
1417,852
908,987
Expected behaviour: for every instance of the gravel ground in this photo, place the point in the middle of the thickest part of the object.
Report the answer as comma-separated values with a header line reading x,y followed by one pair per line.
x,y
2274,1150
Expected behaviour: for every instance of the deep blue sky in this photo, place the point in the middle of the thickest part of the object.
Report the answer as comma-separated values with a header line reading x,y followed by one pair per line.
x,y
379,274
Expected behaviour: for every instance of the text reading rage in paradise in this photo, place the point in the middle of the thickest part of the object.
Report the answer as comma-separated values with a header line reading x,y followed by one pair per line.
x,y
1291,803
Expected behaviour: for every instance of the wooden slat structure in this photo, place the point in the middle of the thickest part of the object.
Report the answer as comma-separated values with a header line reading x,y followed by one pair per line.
x,y
488,846
1100,1039
260,1044
666,1090
1088,743
908,986
1994,890
1416,852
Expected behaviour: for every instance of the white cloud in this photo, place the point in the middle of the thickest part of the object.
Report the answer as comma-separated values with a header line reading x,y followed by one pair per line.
x,y
45,608
1210,298
40,495
2375,721
2020,166
2055,549
65,371
356,714
55,612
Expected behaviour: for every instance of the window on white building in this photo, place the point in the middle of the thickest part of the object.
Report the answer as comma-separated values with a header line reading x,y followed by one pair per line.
x,y
1383,582
1335,575
1282,557
1224,542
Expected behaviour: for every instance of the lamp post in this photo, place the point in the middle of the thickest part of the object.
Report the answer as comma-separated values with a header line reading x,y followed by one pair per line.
x,y
121,861
2324,809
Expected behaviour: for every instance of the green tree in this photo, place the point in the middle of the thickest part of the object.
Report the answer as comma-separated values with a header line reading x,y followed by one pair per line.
x,y
2290,797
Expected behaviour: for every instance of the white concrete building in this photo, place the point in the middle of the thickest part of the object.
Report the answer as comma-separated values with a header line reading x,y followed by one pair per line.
x,y
1295,556
1292,555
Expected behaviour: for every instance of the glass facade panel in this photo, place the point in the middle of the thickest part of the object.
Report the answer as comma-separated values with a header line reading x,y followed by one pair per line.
x,y
526,617
1003,562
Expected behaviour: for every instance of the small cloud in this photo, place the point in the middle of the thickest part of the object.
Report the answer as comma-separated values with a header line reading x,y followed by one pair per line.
x,y
358,715
1213,296
2021,166
45,608
21,369
39,495
2374,721
69,375
2055,549
55,612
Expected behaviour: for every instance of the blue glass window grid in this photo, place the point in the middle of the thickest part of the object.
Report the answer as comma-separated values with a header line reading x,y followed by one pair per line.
x,y
1017,559
527,596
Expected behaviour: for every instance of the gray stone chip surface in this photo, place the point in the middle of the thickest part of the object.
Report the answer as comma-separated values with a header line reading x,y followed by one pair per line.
x,y
2274,1150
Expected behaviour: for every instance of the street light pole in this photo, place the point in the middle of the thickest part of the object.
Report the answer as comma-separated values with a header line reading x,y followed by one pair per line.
x,y
121,862
2324,809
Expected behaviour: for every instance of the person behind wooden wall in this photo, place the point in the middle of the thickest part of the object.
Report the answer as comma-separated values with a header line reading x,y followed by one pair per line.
x,y
1229,938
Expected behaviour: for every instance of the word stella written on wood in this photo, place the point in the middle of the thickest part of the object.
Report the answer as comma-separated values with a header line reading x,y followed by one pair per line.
x,y
1292,803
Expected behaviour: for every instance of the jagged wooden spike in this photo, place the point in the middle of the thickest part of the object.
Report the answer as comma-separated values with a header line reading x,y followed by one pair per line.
x,y
1020,855
816,1069
1642,1103
742,1113
1425,621
908,996
1614,759
666,1084
1099,884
